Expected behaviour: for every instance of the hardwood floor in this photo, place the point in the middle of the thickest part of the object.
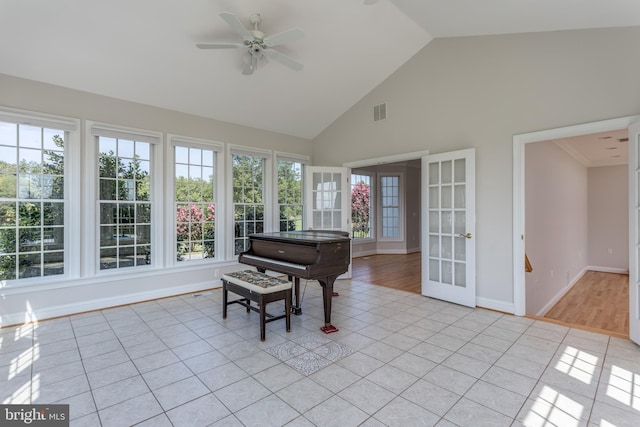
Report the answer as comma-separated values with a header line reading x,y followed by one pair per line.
x,y
598,301
392,271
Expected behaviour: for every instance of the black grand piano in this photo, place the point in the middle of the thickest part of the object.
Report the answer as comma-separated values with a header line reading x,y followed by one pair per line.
x,y
320,255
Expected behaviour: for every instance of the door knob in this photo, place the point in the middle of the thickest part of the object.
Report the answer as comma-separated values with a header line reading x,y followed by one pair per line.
x,y
468,235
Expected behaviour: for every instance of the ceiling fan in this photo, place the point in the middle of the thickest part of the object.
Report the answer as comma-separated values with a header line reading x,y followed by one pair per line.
x,y
258,45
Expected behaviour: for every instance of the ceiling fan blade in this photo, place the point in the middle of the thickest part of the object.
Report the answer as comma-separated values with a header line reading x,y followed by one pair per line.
x,y
219,45
283,37
284,59
237,26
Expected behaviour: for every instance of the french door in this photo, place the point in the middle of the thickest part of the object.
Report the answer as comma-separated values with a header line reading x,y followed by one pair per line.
x,y
634,234
328,200
448,227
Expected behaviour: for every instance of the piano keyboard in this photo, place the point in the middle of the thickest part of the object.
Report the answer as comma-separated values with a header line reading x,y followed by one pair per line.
x,y
277,262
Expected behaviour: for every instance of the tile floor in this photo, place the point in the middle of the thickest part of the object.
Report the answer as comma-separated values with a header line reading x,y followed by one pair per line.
x,y
399,359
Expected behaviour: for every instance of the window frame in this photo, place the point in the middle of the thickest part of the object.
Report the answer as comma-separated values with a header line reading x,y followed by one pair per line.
x,y
91,261
219,197
373,225
268,204
286,157
401,219
71,201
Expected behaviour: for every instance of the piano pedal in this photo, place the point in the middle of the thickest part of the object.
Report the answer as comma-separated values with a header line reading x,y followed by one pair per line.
x,y
329,328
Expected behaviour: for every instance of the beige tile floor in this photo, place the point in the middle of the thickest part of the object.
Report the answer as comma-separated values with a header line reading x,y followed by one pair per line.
x,y
399,359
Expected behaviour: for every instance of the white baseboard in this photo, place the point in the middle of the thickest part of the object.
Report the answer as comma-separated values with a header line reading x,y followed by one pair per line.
x,y
385,252
562,292
492,304
104,303
608,269
363,253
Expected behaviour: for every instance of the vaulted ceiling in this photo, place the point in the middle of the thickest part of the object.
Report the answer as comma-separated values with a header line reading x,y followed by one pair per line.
x,y
145,50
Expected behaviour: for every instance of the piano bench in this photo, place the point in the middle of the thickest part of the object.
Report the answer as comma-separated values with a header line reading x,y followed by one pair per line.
x,y
261,289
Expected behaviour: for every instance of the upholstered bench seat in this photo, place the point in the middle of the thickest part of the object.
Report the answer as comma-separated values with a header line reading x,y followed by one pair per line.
x,y
261,289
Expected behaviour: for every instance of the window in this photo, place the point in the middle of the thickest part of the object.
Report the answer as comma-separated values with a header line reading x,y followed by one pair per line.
x,y
124,171
390,207
32,201
248,198
290,191
360,206
195,202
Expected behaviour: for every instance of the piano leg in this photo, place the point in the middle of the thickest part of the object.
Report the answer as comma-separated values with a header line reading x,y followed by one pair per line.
x,y
327,293
295,305
296,309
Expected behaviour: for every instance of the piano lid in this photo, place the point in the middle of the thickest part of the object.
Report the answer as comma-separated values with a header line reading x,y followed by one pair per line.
x,y
304,237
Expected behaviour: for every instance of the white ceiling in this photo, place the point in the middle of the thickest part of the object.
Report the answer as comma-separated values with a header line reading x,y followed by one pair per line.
x,y
598,149
144,50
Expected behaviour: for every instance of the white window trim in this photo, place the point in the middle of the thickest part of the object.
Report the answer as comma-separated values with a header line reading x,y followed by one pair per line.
x,y
267,155
286,157
373,215
221,229
24,117
401,207
91,217
72,191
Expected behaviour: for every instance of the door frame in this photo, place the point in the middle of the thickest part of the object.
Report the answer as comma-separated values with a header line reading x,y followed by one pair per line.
x,y
519,142
403,157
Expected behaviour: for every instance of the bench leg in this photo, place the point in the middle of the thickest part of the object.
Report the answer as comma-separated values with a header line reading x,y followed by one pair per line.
x,y
224,299
263,319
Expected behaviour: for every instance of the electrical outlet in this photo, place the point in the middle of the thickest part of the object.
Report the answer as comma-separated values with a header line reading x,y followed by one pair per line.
x,y
216,273
610,251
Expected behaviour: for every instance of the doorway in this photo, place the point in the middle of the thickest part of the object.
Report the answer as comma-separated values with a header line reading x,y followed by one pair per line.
x,y
520,227
388,260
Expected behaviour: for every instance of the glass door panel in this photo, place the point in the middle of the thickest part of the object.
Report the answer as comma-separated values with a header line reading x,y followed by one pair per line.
x,y
450,256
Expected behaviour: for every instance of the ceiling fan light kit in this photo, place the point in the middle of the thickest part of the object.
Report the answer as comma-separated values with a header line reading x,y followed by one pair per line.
x,y
257,44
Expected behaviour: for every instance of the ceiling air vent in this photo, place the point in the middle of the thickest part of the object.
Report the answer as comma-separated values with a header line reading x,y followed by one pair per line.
x,y
380,112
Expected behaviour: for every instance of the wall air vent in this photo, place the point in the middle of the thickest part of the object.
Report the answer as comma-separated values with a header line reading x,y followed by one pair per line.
x,y
380,112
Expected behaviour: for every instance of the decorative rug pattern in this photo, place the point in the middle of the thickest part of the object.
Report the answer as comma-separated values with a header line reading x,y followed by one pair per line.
x,y
310,353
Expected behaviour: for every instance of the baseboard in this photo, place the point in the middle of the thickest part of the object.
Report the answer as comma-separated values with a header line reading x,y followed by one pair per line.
x,y
103,303
562,292
608,269
492,304
363,254
385,252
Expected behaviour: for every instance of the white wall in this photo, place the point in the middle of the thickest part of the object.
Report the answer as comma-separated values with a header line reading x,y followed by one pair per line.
x,y
478,92
413,209
59,296
556,212
608,235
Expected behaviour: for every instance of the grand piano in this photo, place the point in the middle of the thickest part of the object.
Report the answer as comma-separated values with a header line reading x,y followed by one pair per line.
x,y
320,255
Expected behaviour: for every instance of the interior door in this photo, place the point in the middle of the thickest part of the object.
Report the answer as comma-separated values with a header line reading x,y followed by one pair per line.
x,y
328,200
634,232
448,232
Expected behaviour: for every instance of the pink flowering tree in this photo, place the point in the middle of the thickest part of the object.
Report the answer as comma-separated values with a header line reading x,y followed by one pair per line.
x,y
360,210
195,229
